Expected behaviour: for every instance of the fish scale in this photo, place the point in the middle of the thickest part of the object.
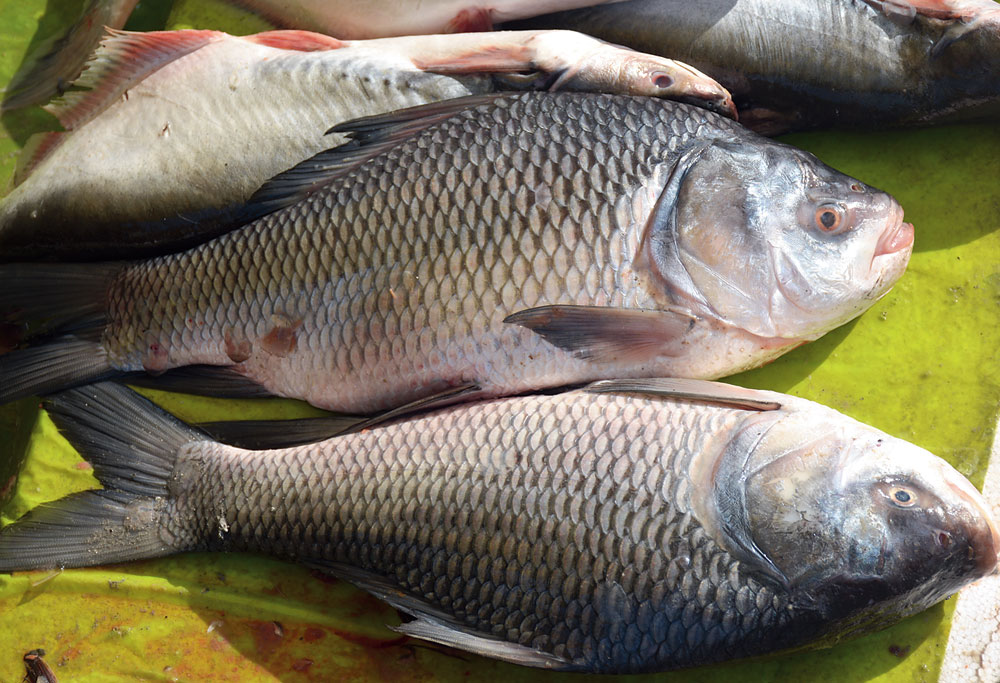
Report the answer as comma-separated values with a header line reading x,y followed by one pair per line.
x,y
387,281
575,558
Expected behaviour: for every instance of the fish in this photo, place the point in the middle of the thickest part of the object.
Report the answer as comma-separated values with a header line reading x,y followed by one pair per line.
x,y
59,59
171,132
353,19
629,526
499,244
809,64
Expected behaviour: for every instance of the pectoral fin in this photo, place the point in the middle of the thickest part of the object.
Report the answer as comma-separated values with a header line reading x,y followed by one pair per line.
x,y
432,623
609,334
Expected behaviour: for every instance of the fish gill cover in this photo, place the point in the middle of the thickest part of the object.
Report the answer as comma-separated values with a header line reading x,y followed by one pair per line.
x,y
922,364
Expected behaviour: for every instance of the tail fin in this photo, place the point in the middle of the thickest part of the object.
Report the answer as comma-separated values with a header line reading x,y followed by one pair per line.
x,y
132,445
69,300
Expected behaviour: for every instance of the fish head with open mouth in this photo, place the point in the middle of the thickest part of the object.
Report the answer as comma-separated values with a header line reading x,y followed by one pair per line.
x,y
775,243
859,527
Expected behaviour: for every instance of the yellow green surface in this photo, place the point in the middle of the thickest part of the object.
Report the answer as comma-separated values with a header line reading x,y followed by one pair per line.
x,y
922,364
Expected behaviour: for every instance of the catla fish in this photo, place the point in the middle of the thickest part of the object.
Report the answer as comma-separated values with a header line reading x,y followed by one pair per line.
x,y
174,130
800,64
630,526
501,244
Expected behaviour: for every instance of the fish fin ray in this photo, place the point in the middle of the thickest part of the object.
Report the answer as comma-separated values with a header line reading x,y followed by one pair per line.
x,y
55,365
460,393
434,624
689,389
608,334
370,136
218,381
38,147
470,641
294,39
259,435
60,58
123,59
132,445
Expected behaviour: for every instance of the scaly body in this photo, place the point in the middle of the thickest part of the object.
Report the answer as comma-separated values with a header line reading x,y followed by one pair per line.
x,y
651,526
821,63
174,130
513,243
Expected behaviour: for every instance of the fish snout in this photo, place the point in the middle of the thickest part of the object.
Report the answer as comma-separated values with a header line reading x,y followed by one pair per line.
x,y
977,526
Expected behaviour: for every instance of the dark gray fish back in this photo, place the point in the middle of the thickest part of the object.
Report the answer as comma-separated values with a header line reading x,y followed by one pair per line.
x,y
518,528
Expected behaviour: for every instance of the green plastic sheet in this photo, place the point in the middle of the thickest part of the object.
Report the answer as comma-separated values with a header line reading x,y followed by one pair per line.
x,y
922,364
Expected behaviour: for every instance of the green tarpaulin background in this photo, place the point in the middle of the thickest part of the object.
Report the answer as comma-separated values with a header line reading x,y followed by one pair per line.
x,y
923,364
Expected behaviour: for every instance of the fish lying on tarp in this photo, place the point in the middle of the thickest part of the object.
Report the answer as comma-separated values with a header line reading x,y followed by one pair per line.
x,y
506,242
177,129
801,64
630,526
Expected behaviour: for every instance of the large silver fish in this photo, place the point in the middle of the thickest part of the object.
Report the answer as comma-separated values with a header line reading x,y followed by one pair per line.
x,y
816,63
627,527
173,131
503,243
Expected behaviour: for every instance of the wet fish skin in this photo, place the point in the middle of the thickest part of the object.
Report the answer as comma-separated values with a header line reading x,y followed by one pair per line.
x,y
177,129
515,243
614,532
353,19
821,63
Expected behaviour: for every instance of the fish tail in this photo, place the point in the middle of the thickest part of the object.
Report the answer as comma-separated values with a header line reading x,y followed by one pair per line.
x,y
132,445
57,312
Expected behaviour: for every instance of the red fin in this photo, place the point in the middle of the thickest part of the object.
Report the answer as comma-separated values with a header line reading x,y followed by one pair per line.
x,y
124,59
238,349
37,148
471,21
303,41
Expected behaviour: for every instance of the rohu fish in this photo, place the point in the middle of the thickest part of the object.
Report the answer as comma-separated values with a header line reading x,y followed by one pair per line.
x,y
631,526
500,244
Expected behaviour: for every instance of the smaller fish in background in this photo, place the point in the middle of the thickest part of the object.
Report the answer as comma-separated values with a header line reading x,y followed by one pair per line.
x,y
631,526
808,64
353,19
58,60
173,131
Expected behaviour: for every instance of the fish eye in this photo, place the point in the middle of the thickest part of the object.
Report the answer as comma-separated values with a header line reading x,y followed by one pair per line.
x,y
902,497
662,80
829,218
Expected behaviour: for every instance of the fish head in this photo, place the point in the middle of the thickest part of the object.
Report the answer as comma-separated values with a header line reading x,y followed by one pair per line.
x,y
768,239
859,526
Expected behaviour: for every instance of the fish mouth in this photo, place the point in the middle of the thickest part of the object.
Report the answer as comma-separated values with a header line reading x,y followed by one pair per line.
x,y
984,537
895,239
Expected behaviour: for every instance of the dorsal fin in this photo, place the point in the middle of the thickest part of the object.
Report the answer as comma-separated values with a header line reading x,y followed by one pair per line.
x,y
689,389
370,136
123,59
301,41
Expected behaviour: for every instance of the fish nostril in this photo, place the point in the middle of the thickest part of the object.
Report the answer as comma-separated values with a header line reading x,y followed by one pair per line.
x,y
944,539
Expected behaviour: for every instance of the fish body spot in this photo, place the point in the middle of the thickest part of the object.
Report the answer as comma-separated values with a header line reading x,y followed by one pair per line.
x,y
282,339
156,359
238,350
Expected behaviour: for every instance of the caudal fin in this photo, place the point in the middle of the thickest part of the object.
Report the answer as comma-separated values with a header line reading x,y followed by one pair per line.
x,y
132,445
56,311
